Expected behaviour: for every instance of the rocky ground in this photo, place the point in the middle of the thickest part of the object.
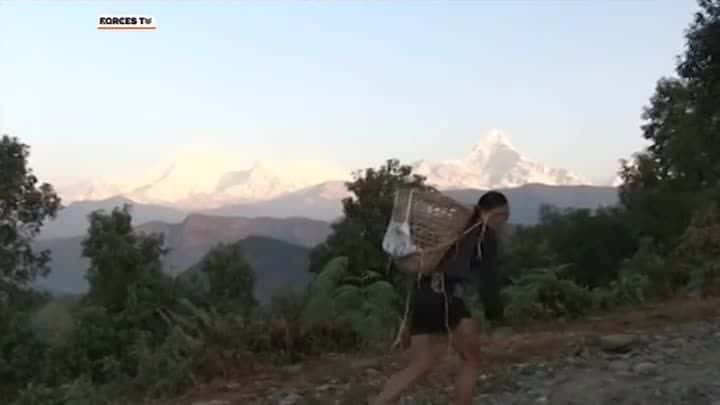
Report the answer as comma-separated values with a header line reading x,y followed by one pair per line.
x,y
659,357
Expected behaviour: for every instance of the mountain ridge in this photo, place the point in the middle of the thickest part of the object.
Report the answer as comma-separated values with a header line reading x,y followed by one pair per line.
x,y
277,264
205,181
494,163
323,202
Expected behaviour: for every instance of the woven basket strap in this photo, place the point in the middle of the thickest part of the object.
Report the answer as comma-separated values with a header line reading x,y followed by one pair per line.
x,y
409,205
406,315
447,312
480,239
396,201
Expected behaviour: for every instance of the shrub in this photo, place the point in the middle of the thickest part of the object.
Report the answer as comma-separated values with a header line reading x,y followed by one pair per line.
x,y
542,294
698,252
630,288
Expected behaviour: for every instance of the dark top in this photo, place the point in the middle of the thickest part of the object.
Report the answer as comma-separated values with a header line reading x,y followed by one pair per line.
x,y
463,263
464,270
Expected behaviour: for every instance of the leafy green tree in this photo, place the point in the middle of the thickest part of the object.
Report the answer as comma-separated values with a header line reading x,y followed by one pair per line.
x,y
667,182
592,243
358,235
124,266
128,292
230,279
24,206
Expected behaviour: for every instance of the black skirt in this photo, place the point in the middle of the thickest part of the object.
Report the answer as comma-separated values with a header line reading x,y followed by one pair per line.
x,y
428,309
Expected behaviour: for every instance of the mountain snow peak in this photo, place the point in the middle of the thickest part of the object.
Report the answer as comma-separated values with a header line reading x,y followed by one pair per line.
x,y
493,139
204,179
493,163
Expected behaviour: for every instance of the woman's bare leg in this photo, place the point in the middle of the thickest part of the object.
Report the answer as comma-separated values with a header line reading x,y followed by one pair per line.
x,y
466,341
426,351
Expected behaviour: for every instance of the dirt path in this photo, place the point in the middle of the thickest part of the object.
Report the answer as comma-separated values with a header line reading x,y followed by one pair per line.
x,y
665,355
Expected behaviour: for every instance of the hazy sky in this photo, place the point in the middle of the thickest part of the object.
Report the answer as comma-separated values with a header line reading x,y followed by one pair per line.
x,y
349,81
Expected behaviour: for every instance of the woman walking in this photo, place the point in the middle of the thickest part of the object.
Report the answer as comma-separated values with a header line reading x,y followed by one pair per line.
x,y
439,311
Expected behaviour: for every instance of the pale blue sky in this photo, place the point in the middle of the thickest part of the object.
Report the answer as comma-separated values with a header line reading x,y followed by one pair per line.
x,y
349,81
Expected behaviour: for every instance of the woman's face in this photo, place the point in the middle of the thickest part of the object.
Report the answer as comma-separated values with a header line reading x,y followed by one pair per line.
x,y
497,217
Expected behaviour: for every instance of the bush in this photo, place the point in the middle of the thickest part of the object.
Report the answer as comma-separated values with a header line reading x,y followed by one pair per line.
x,y
81,391
648,261
22,355
367,304
629,289
165,370
698,252
542,294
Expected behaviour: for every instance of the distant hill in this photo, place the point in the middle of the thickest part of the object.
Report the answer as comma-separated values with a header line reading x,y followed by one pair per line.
x,y
73,219
277,264
192,238
323,201
318,202
67,275
525,201
275,246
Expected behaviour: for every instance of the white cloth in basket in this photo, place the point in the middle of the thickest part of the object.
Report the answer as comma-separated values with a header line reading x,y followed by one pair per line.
x,y
398,240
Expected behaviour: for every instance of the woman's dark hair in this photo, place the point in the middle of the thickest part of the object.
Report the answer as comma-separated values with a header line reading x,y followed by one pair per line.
x,y
488,201
492,200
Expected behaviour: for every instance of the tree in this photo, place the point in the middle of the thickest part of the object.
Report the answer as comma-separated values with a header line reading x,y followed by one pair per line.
x,y
123,264
358,236
230,279
673,176
128,294
24,206
592,243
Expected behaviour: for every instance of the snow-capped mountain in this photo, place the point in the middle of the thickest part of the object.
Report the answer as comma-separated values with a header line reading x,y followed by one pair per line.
x,y
256,183
202,181
493,163
90,190
205,180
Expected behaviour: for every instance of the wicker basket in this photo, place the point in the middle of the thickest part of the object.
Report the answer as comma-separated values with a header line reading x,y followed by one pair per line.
x,y
436,222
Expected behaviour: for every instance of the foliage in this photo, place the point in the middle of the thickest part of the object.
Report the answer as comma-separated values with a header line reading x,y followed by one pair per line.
x,y
592,243
595,243
366,303
24,206
546,294
81,391
163,370
53,322
122,263
22,353
698,253
528,248
667,182
288,303
358,235
630,288
216,342
231,281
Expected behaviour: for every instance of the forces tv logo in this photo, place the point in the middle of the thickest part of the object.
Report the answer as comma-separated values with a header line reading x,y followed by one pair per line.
x,y
126,23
